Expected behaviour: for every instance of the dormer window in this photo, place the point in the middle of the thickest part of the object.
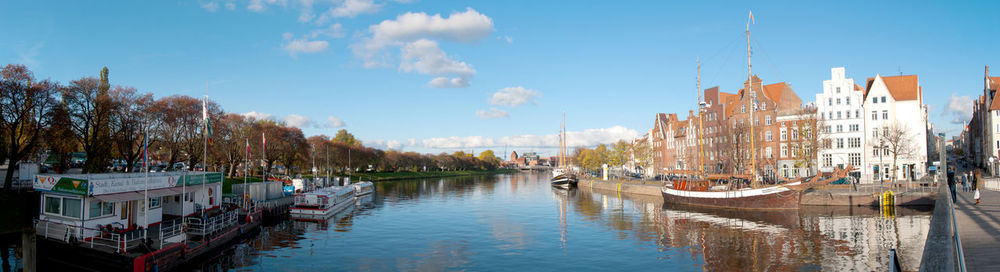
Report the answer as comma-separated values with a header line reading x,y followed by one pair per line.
x,y
883,99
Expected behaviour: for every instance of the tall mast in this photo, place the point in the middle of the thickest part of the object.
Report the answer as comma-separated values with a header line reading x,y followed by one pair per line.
x,y
753,107
701,110
562,142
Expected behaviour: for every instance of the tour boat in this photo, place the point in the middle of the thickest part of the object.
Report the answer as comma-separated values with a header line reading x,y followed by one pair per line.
x,y
363,188
322,203
561,177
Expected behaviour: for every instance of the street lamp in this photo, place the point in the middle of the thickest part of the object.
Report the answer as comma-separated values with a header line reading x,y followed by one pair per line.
x,y
881,147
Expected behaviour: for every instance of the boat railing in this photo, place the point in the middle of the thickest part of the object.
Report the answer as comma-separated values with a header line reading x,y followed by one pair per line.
x,y
209,225
117,241
170,229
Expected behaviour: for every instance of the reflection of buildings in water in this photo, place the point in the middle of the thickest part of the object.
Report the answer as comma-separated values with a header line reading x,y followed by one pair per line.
x,y
852,239
562,200
863,242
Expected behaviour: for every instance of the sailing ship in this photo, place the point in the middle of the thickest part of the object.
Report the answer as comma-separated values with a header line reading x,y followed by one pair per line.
x,y
740,191
562,177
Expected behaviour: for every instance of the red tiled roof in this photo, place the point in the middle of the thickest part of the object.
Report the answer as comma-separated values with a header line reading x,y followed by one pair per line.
x,y
900,87
774,91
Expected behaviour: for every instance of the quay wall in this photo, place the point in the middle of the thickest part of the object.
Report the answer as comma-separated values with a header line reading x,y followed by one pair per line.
x,y
622,186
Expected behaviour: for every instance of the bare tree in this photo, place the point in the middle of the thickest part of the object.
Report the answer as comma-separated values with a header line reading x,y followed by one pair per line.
x,y
131,122
897,141
89,107
808,142
26,107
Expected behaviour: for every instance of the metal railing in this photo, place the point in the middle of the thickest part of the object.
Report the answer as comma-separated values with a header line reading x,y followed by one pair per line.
x,y
210,225
120,242
169,229
956,240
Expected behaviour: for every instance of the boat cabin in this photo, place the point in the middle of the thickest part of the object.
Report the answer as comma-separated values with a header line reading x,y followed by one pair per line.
x,y
82,206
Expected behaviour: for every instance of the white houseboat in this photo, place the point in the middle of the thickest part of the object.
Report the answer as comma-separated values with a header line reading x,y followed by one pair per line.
x,y
320,204
363,188
103,216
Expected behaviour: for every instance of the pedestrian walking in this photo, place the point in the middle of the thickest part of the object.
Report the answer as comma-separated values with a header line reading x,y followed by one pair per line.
x,y
975,185
965,182
951,183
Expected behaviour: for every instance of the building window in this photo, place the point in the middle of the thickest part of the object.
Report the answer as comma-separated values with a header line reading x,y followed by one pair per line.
x,y
830,103
784,151
827,160
767,135
839,116
783,135
854,159
101,208
838,89
768,152
767,120
874,100
743,108
874,115
64,206
875,133
847,100
840,128
857,113
838,101
795,134
840,143
883,99
885,115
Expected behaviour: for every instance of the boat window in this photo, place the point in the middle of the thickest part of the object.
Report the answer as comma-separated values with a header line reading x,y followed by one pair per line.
x,y
71,207
101,208
52,204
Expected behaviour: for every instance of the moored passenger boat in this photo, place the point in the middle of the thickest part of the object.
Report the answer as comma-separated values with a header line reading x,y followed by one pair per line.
x,y
363,188
322,203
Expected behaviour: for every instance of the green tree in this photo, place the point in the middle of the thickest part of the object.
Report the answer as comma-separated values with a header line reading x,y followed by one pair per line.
x,y
89,106
619,153
346,137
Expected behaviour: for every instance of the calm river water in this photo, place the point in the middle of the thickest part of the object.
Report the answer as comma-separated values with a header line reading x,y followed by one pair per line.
x,y
519,223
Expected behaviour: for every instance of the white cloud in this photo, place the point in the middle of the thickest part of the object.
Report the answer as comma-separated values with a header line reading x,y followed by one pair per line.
x,y
492,113
230,6
256,5
385,145
416,35
258,115
586,138
514,96
444,82
296,46
425,57
210,6
298,121
332,31
506,39
349,8
334,122
960,108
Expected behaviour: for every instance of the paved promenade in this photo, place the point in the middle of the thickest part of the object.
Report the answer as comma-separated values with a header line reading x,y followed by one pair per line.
x,y
979,227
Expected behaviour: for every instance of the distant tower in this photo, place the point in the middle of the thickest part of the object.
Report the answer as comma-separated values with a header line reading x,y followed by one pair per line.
x,y
513,156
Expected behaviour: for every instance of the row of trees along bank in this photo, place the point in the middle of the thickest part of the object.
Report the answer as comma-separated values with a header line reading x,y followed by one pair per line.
x,y
47,121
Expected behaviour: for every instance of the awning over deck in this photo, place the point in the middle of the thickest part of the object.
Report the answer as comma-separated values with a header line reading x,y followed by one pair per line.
x,y
127,196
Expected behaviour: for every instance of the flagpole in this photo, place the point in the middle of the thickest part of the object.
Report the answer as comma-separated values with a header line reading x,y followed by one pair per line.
x,y
246,170
145,191
204,160
263,156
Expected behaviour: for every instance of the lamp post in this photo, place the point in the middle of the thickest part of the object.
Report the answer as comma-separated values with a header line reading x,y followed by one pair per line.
x,y
881,147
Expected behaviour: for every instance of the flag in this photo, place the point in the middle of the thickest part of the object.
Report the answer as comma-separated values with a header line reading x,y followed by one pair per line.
x,y
263,136
248,150
751,17
204,116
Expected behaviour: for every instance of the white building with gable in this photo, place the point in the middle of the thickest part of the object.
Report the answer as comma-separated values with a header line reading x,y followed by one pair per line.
x,y
840,110
894,102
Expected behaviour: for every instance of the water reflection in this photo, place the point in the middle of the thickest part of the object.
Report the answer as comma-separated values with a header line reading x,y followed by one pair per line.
x,y
519,222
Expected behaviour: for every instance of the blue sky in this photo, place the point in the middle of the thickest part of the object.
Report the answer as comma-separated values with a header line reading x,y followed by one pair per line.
x,y
512,67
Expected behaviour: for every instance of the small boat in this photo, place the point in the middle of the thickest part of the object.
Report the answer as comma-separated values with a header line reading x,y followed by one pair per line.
x,y
322,203
363,188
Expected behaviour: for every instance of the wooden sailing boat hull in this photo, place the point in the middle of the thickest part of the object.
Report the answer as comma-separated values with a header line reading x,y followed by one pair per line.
x,y
769,198
564,181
